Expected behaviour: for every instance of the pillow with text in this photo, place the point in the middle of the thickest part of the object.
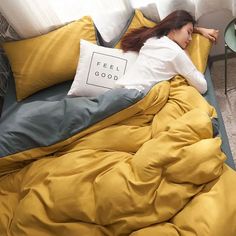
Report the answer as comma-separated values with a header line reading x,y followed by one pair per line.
x,y
99,68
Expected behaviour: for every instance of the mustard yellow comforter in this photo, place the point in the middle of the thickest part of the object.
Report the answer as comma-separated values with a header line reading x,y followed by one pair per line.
x,y
152,168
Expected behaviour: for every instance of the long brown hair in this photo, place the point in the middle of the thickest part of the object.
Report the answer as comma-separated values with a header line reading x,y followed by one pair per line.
x,y
134,40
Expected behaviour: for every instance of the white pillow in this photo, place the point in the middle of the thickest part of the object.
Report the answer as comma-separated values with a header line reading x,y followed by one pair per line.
x,y
165,7
99,68
148,8
110,22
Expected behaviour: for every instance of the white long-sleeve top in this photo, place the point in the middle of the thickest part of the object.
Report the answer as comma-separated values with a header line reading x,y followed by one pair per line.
x,y
161,59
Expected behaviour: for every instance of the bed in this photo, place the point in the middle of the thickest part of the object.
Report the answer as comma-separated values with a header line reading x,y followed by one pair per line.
x,y
155,162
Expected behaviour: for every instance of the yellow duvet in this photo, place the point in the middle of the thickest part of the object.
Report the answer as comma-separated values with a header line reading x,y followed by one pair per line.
x,y
154,168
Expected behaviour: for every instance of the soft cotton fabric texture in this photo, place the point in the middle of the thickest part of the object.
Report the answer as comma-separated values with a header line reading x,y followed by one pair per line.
x,y
152,168
43,61
99,68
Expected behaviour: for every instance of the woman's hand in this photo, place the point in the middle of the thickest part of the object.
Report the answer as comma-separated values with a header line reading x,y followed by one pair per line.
x,y
211,34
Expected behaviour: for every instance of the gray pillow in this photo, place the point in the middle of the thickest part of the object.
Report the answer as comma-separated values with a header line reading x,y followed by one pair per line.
x,y
4,75
7,33
4,72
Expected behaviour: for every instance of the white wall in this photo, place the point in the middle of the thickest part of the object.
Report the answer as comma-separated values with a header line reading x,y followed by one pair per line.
x,y
219,20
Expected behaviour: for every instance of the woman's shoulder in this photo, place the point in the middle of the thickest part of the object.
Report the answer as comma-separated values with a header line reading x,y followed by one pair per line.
x,y
155,40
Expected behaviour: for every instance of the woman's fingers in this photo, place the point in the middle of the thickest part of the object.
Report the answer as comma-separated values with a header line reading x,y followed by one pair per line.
x,y
213,35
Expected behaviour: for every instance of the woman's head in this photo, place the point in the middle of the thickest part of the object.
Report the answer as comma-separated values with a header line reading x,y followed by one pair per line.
x,y
182,36
174,25
179,27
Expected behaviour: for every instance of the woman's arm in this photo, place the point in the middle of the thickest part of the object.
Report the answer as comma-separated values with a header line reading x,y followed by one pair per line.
x,y
185,67
211,34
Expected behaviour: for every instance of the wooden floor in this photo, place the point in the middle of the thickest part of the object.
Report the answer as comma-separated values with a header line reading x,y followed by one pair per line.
x,y
227,103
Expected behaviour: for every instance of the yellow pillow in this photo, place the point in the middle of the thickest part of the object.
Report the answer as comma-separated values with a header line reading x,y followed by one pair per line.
x,y
49,59
198,49
138,21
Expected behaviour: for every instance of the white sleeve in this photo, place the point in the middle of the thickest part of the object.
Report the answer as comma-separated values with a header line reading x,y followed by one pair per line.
x,y
185,67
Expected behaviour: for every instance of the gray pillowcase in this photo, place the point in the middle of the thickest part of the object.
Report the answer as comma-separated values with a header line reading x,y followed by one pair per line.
x,y
4,77
4,72
7,33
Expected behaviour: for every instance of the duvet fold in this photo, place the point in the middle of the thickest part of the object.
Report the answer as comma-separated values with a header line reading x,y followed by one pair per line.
x,y
125,163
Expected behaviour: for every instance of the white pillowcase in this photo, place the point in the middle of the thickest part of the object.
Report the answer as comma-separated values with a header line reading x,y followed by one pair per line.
x,y
110,22
165,7
148,8
99,68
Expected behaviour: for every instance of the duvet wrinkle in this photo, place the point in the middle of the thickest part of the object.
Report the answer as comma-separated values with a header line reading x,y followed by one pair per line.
x,y
146,168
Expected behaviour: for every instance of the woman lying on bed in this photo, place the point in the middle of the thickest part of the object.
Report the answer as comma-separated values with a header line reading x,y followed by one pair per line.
x,y
162,53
